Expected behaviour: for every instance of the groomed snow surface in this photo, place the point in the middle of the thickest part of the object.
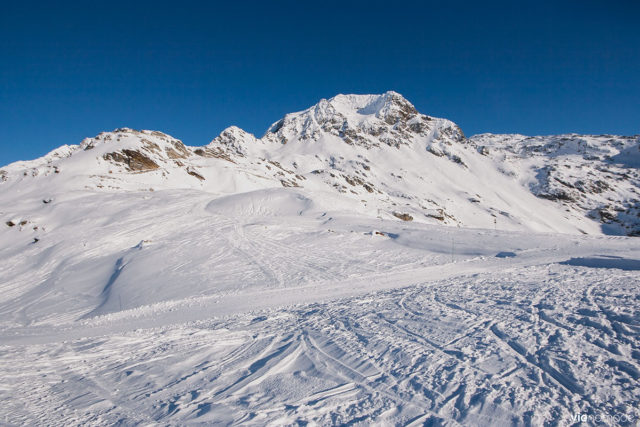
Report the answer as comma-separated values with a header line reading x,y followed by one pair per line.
x,y
273,307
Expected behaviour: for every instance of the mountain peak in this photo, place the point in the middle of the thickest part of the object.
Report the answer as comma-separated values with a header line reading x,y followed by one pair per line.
x,y
355,107
232,139
233,133
360,107
367,105
356,119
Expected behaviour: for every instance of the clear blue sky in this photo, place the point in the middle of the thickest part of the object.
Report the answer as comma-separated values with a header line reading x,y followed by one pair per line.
x,y
73,69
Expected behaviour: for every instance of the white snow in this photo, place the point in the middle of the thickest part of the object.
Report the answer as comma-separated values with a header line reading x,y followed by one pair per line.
x,y
259,281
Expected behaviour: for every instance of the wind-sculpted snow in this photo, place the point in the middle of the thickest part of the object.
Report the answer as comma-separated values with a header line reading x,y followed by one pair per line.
x,y
527,346
267,308
273,202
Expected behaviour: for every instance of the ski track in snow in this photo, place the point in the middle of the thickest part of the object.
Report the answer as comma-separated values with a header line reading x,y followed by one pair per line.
x,y
335,326
527,346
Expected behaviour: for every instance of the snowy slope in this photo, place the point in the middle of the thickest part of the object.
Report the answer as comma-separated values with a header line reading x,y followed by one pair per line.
x,y
177,307
359,263
592,176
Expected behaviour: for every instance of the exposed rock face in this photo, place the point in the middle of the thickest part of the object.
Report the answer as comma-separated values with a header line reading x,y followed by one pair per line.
x,y
191,171
403,216
214,152
178,151
134,160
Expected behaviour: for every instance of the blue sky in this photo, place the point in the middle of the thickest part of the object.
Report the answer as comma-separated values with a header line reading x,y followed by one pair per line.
x,y
72,69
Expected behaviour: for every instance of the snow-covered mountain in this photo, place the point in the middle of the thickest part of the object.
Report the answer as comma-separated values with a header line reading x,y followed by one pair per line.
x,y
360,263
377,150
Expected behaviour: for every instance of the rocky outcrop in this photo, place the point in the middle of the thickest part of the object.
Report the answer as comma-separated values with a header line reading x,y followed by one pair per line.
x,y
133,160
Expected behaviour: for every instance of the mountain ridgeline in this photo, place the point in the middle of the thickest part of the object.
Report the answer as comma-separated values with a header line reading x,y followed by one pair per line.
x,y
377,156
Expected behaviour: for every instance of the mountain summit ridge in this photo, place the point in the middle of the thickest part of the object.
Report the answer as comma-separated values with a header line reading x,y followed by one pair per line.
x,y
365,120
